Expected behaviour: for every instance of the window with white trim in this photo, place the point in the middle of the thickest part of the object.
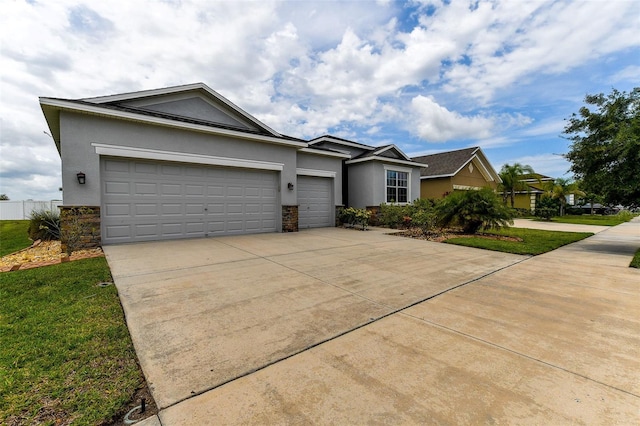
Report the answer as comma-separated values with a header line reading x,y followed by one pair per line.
x,y
397,186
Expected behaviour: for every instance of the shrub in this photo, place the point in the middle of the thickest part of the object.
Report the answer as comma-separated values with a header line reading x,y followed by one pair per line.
x,y
474,210
353,217
44,225
547,207
392,215
625,215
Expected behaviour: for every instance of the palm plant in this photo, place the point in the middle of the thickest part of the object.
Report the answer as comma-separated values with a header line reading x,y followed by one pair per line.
x,y
474,210
511,176
560,189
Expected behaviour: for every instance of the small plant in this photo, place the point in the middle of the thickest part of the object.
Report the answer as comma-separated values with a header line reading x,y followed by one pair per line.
x,y
474,210
392,215
78,229
44,225
352,217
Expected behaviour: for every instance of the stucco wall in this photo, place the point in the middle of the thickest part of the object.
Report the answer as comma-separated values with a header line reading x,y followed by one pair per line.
x,y
79,131
473,178
435,188
324,163
367,183
362,185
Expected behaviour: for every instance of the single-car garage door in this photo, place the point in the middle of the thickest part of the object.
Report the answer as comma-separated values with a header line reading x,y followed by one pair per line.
x,y
314,202
154,200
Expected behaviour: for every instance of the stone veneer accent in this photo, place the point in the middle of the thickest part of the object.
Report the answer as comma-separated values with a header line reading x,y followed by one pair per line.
x,y
338,221
289,218
374,220
79,227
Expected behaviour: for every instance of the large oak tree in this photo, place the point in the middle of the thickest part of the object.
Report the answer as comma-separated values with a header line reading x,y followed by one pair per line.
x,y
605,149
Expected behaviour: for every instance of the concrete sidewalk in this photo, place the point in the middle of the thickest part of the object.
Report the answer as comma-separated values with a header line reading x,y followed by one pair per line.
x,y
555,226
549,340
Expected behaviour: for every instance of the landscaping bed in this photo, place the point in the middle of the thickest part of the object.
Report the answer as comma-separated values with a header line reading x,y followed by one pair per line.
x,y
43,253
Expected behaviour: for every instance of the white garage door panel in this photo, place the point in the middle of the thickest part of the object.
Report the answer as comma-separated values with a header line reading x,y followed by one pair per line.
x,y
314,202
145,200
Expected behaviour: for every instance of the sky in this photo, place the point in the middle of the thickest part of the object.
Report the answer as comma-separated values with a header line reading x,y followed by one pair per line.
x,y
428,76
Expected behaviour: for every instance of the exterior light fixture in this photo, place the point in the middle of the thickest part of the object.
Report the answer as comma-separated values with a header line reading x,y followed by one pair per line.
x,y
290,186
82,178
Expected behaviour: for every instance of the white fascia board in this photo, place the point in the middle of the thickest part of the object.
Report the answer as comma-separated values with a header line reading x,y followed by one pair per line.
x,y
98,110
341,142
386,160
435,177
183,157
178,89
326,153
317,173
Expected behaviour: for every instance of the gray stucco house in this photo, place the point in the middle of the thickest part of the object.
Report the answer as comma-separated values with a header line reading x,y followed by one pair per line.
x,y
184,161
374,175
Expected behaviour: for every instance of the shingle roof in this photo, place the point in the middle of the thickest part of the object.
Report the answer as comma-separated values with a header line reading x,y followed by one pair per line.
x,y
445,163
151,113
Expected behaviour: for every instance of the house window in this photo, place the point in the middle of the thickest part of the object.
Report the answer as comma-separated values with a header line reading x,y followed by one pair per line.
x,y
397,186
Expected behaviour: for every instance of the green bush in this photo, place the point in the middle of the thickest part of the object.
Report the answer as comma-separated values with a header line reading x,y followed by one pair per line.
x,y
352,216
392,215
547,207
44,225
474,210
625,215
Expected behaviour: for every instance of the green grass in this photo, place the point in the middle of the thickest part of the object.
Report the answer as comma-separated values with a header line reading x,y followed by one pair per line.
x,y
13,236
635,262
66,351
611,220
533,242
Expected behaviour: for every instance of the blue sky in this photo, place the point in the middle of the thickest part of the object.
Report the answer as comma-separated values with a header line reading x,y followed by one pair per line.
x,y
428,76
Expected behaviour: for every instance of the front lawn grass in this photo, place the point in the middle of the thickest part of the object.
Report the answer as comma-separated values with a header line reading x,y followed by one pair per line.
x,y
635,262
13,236
533,242
611,220
66,356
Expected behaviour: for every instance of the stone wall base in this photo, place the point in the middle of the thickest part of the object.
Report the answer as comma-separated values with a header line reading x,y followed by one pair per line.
x,y
289,218
79,228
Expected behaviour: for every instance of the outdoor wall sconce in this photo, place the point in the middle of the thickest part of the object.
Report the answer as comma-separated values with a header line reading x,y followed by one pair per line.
x,y
290,186
82,178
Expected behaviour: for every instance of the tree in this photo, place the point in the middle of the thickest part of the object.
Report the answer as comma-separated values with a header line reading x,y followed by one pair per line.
x,y
473,210
512,181
4,197
605,149
559,189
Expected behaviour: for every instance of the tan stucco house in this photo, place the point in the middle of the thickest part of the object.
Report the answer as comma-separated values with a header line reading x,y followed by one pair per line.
x,y
458,170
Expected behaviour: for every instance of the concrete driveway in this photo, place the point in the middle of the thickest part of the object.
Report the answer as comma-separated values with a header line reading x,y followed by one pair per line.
x,y
341,326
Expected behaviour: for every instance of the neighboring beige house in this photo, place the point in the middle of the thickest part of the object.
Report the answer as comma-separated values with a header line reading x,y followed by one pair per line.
x,y
458,170
527,199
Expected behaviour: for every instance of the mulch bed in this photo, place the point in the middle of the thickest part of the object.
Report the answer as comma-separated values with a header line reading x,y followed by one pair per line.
x,y
445,234
43,253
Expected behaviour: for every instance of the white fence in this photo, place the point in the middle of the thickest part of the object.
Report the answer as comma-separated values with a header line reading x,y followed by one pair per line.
x,y
19,210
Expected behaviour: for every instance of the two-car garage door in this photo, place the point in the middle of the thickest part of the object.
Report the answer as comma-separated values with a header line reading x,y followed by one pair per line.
x,y
152,200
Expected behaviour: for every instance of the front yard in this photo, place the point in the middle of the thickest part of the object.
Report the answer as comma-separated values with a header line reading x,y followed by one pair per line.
x,y
66,356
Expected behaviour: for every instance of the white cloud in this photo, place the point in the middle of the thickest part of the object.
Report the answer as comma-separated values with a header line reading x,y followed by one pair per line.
x,y
630,73
435,123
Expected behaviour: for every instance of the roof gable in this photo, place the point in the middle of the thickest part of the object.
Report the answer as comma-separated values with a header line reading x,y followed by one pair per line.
x,y
449,163
445,163
192,102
